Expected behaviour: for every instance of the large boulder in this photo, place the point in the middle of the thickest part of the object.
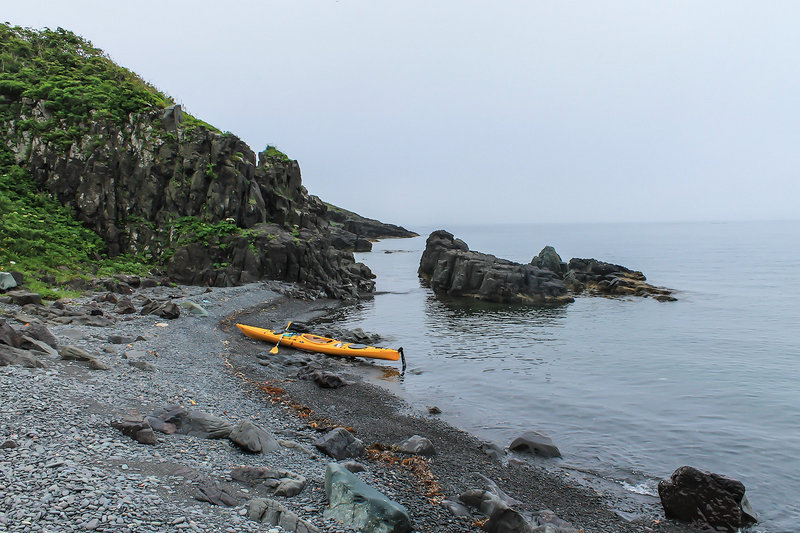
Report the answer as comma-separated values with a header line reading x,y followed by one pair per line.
x,y
535,443
252,438
706,500
7,281
340,444
453,270
9,335
353,502
15,356
203,425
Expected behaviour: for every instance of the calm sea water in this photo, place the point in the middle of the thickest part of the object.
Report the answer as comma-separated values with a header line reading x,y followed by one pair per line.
x,y
629,389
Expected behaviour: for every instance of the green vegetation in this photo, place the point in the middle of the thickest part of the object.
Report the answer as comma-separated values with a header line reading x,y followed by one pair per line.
x,y
42,239
273,153
187,230
77,82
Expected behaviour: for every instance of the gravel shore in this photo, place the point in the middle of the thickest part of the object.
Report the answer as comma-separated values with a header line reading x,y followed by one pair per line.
x,y
69,470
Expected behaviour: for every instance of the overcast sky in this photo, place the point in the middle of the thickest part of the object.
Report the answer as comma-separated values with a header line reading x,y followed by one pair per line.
x,y
458,111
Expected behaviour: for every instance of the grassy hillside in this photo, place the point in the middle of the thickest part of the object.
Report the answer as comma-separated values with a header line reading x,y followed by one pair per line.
x,y
77,85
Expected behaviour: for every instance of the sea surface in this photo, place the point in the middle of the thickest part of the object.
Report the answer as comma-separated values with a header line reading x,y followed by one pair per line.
x,y
629,389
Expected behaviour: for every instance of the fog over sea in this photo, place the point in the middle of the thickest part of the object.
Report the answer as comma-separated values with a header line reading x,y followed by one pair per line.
x,y
629,389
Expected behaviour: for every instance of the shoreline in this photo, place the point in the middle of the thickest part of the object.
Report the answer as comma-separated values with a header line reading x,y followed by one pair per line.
x,y
205,363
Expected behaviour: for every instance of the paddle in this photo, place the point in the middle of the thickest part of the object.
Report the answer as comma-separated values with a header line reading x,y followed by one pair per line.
x,y
275,349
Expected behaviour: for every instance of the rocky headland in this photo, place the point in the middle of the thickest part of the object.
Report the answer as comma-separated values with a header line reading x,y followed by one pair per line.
x,y
453,270
160,187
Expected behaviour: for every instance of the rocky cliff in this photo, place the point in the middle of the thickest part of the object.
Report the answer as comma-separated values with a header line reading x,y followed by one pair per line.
x,y
155,182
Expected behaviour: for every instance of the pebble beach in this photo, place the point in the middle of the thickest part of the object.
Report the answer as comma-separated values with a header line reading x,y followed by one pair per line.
x,y
63,467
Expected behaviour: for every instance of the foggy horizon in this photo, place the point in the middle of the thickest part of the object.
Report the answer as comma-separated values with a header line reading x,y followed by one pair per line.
x,y
463,113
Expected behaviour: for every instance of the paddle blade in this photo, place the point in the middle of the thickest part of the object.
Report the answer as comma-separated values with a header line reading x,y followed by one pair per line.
x,y
274,350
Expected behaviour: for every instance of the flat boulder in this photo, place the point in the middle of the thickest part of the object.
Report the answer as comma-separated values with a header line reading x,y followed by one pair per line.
x,y
204,425
18,357
252,438
322,378
356,504
282,482
41,333
535,443
340,444
21,297
706,500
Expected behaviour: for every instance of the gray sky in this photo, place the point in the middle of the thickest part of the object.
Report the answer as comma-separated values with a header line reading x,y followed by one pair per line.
x,y
426,112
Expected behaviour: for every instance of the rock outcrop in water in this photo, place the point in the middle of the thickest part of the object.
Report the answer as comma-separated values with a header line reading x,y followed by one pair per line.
x,y
705,500
451,269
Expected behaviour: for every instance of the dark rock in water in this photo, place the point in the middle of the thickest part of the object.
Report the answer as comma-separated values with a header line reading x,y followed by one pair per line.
x,y
204,425
453,270
548,259
323,378
281,482
433,410
273,513
252,438
136,427
340,444
9,335
609,279
356,504
535,443
21,297
706,500
15,356
417,445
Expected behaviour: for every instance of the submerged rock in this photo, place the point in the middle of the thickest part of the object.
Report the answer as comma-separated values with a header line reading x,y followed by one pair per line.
x,y
353,502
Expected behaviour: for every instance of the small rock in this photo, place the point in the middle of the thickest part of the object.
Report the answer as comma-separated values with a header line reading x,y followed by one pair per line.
x,y
340,444
417,445
535,443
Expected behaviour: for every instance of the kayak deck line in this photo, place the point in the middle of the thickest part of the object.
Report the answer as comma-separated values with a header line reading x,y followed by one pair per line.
x,y
317,344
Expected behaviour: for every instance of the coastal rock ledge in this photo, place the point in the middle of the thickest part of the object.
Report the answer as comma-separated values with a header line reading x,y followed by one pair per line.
x,y
452,269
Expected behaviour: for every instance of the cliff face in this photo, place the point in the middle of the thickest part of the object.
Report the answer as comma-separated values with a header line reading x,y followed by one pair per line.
x,y
134,185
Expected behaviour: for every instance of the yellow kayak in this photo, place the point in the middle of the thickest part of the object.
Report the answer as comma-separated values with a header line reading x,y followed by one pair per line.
x,y
314,343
